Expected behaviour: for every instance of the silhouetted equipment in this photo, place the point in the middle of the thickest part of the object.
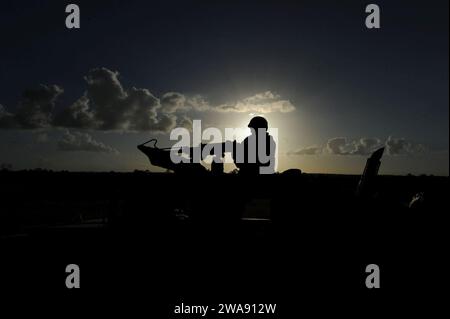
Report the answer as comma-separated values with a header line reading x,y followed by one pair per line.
x,y
217,166
292,172
366,183
161,157
246,155
418,201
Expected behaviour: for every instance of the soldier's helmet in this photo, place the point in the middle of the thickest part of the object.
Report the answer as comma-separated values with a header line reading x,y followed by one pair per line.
x,y
258,122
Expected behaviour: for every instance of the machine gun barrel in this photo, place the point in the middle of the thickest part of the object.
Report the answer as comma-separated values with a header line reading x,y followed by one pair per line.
x,y
212,149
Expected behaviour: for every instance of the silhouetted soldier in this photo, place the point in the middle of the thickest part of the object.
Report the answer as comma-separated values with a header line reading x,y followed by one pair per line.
x,y
254,156
248,155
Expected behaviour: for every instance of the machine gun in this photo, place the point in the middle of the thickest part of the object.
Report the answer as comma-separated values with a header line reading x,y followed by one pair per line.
x,y
162,157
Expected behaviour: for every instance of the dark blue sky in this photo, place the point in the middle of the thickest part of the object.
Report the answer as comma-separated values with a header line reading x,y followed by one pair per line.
x,y
343,79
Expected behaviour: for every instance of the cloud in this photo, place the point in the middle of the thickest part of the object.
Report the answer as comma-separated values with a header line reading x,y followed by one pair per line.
x,y
35,109
41,137
198,103
107,98
77,115
400,146
338,146
185,122
36,106
78,141
366,146
172,102
115,108
165,123
362,147
107,105
140,113
266,102
7,119
310,150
